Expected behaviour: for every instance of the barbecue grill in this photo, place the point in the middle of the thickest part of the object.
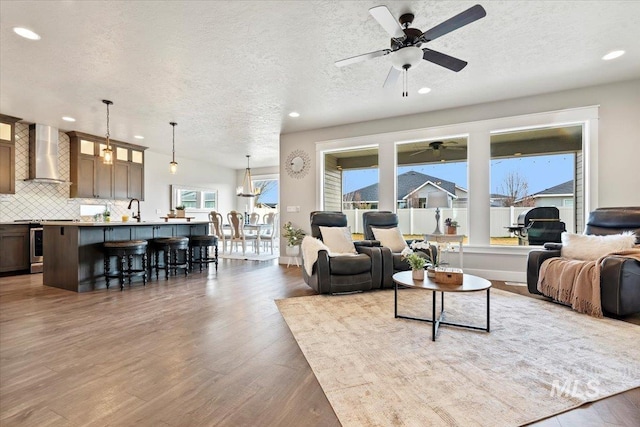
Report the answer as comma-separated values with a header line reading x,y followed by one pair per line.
x,y
538,226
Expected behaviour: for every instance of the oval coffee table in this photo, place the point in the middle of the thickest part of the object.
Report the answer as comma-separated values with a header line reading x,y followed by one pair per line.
x,y
470,283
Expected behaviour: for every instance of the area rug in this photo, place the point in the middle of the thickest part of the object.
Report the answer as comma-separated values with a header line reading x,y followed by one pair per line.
x,y
539,359
249,256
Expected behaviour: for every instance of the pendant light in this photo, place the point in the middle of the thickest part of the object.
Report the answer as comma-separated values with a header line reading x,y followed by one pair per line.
x,y
247,184
173,166
107,153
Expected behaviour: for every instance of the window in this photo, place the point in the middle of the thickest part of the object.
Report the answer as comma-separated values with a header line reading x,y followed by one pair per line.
x,y
425,167
351,184
535,168
351,179
209,199
194,198
268,193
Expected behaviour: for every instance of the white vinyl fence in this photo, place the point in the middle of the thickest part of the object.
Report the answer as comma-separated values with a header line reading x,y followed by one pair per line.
x,y
423,221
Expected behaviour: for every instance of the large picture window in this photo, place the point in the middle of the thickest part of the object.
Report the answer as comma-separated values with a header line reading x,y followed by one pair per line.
x,y
425,168
535,168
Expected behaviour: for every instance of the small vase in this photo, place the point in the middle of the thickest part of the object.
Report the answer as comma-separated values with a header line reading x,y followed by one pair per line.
x,y
418,274
180,213
431,272
451,230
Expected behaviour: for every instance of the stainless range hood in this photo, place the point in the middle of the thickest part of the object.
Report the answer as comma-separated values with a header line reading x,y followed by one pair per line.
x,y
43,155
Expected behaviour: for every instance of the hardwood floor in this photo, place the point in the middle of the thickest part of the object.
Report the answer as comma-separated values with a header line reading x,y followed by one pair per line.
x,y
204,350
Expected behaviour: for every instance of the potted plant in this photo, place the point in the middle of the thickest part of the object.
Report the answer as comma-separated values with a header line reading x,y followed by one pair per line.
x,y
416,262
106,215
294,237
452,226
431,258
180,211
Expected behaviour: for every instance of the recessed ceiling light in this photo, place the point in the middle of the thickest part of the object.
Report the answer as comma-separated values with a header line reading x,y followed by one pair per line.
x,y
68,119
613,55
424,90
139,137
26,33
294,114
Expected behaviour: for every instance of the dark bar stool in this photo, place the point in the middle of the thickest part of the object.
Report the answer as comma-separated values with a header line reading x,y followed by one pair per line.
x,y
202,243
171,246
125,251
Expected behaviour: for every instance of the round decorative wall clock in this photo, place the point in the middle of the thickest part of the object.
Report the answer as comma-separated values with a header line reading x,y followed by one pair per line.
x,y
297,164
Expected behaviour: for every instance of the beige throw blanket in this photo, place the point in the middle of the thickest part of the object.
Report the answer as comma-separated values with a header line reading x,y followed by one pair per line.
x,y
575,282
310,247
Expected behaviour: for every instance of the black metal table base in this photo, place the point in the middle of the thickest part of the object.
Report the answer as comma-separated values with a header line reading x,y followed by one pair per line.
x,y
435,324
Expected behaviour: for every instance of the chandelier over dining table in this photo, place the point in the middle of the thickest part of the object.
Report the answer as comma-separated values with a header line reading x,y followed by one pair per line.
x,y
247,190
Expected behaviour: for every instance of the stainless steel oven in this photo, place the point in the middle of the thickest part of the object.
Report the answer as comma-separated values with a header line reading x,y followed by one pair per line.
x,y
36,250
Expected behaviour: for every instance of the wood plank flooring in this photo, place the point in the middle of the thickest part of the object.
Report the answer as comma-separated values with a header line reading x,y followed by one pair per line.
x,y
209,349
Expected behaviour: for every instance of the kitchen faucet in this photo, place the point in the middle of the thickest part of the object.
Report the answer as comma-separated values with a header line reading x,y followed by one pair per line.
x,y
137,217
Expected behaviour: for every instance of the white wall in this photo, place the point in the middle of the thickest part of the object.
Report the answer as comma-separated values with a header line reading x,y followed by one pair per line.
x,y
193,173
615,165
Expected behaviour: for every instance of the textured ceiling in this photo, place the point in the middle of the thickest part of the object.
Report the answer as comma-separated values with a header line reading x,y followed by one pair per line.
x,y
230,72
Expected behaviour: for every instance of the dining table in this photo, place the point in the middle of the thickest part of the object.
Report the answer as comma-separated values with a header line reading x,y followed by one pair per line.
x,y
257,228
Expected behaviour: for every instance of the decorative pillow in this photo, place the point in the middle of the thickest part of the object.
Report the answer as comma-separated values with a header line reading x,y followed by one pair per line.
x,y
390,237
338,239
590,248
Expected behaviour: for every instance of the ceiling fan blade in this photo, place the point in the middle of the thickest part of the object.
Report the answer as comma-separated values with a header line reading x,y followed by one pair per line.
x,y
387,21
446,61
418,152
362,57
392,77
460,20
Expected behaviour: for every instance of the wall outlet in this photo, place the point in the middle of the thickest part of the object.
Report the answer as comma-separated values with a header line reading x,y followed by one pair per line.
x,y
158,211
293,209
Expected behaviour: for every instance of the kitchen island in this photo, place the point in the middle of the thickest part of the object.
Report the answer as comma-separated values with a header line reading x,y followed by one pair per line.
x,y
73,256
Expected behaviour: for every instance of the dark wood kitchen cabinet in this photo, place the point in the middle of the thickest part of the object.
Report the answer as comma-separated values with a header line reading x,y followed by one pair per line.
x,y
14,248
8,154
91,178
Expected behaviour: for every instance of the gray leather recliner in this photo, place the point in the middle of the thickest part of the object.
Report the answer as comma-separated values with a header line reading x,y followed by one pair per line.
x,y
339,274
620,277
392,262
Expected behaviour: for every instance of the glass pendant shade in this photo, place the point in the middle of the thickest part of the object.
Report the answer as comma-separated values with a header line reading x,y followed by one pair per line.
x,y
107,152
107,156
173,165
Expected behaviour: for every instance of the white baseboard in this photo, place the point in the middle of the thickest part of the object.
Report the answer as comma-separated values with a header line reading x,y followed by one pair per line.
x,y
506,276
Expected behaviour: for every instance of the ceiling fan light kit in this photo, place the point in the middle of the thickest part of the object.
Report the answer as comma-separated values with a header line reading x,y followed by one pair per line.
x,y
406,43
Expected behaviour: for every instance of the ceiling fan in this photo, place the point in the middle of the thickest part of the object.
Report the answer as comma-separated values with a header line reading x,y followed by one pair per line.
x,y
436,146
406,43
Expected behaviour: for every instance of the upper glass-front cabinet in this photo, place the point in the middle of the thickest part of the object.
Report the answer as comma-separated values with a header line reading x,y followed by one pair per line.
x,y
5,131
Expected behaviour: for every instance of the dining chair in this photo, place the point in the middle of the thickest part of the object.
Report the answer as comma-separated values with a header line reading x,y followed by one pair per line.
x,y
215,218
270,234
254,218
236,222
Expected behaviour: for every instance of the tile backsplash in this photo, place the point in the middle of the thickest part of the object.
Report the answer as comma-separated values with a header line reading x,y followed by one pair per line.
x,y
34,200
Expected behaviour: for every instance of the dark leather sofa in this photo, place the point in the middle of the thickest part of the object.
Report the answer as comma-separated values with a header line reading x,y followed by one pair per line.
x,y
392,262
340,274
620,277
